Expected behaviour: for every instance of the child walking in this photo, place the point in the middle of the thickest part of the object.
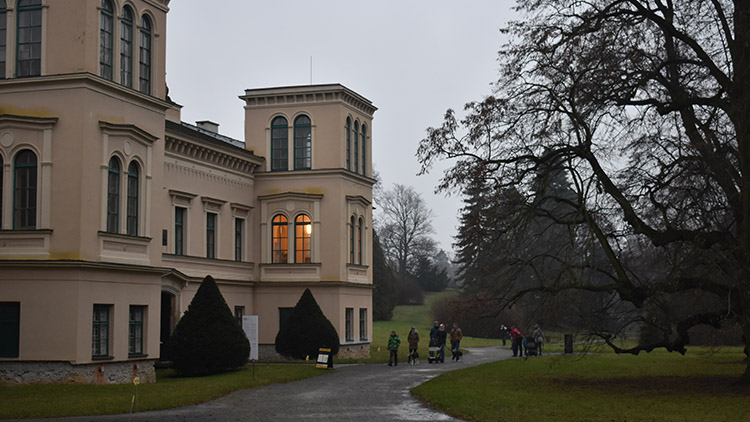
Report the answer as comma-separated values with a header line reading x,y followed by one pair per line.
x,y
393,343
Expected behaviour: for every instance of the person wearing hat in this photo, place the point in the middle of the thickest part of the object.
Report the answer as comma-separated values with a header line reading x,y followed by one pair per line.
x,y
434,330
413,340
393,343
442,336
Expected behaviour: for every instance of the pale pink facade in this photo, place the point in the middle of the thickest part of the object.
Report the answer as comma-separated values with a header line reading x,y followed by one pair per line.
x,y
112,210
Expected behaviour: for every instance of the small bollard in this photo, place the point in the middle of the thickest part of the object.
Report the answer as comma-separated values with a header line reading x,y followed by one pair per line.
x,y
568,344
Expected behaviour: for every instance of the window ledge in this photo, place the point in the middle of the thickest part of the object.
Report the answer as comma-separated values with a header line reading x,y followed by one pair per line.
x,y
137,355
358,266
102,357
127,237
290,272
25,244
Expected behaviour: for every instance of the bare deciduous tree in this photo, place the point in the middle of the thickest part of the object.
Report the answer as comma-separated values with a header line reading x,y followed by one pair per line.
x,y
404,226
644,104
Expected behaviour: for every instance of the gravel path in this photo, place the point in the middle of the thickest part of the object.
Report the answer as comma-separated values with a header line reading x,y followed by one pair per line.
x,y
369,392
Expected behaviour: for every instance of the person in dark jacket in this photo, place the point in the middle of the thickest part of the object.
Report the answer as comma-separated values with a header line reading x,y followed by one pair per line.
x,y
442,335
434,330
413,340
393,343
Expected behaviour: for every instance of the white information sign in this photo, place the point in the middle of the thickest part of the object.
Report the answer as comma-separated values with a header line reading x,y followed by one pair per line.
x,y
250,326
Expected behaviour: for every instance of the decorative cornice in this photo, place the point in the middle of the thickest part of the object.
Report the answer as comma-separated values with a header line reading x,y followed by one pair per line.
x,y
291,195
210,155
358,198
27,121
128,130
307,94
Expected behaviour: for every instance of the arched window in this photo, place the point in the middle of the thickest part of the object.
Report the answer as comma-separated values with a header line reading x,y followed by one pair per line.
x,y
302,234
106,22
29,38
364,150
302,143
132,206
113,195
279,144
351,240
356,147
360,223
3,32
144,58
24,196
126,47
279,239
348,143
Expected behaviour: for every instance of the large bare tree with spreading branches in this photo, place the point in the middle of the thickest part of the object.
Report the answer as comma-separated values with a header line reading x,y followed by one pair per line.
x,y
645,105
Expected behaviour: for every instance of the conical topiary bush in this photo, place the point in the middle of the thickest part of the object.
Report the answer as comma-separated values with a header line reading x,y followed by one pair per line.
x,y
306,331
208,340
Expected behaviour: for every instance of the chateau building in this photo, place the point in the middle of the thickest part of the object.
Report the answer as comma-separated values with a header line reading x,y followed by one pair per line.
x,y
112,210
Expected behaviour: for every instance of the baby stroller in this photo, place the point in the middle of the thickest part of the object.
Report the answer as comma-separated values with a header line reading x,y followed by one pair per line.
x,y
531,349
434,351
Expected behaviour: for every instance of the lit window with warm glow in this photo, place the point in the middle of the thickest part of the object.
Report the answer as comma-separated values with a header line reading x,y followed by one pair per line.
x,y
279,240
302,233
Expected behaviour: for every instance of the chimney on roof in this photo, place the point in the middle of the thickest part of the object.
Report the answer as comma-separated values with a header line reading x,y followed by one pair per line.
x,y
208,125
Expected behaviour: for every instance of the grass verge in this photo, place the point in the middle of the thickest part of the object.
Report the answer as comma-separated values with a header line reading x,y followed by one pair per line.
x,y
658,386
57,400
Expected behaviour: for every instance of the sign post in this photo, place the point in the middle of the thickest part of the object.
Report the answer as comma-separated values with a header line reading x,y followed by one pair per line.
x,y
250,327
325,360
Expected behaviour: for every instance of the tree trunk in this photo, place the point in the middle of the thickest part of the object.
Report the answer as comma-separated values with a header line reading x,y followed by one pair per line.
x,y
740,101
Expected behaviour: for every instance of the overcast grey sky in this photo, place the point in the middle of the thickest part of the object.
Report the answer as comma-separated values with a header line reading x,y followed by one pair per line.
x,y
412,59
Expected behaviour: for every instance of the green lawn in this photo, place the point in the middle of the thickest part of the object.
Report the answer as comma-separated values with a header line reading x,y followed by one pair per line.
x,y
404,317
48,400
658,386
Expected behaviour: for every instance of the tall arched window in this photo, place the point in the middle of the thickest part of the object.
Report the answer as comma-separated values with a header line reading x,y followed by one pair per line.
x,y
3,32
360,223
302,234
24,195
348,143
279,239
364,150
29,38
126,47
279,144
113,195
302,143
356,147
132,205
351,240
144,58
106,23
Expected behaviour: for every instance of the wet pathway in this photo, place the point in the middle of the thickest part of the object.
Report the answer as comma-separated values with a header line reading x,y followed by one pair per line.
x,y
371,392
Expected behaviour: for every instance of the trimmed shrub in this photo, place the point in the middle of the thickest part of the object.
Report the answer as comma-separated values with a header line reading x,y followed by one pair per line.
x,y
208,339
306,330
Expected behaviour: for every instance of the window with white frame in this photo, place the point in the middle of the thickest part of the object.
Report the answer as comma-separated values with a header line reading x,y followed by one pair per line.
x,y
106,39
100,331
349,324
135,330
363,323
25,187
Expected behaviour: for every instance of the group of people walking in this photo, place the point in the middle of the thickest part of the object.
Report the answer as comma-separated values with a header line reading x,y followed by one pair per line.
x,y
519,343
438,338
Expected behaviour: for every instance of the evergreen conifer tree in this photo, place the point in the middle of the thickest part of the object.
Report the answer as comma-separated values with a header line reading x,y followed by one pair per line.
x,y
208,339
306,331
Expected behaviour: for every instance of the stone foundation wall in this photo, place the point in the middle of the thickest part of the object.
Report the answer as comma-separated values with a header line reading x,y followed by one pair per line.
x,y
65,372
349,351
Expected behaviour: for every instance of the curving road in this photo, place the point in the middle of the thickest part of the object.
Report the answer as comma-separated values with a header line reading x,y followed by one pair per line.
x,y
370,392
